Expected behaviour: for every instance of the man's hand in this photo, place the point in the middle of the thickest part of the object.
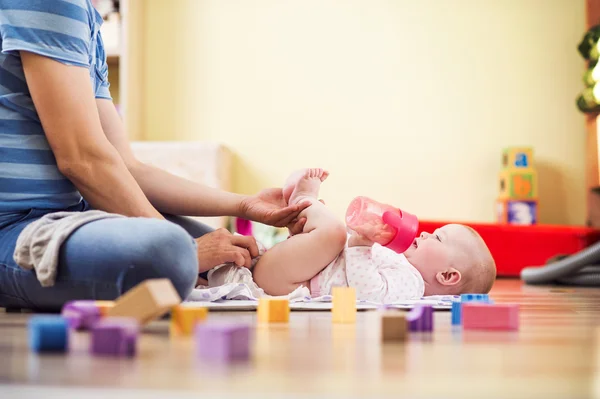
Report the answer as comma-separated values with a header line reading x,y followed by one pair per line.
x,y
221,246
269,207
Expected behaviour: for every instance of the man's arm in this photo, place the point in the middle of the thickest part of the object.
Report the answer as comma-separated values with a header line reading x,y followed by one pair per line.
x,y
64,100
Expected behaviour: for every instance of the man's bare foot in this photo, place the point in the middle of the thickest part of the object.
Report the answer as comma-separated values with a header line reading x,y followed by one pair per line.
x,y
303,183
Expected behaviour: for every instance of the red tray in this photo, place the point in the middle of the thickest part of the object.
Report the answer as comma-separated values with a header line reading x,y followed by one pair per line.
x,y
516,247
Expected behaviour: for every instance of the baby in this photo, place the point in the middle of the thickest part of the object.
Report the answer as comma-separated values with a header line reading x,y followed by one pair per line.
x,y
451,260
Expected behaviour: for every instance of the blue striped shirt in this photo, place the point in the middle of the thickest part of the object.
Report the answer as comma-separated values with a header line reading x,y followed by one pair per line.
x,y
67,31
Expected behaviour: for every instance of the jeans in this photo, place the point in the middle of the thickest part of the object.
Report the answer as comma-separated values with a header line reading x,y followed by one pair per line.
x,y
101,260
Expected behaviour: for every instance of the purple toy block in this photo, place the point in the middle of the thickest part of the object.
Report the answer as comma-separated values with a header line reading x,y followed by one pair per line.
x,y
115,336
81,315
420,318
224,342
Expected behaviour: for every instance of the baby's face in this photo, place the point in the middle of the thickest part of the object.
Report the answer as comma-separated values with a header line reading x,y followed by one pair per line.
x,y
434,253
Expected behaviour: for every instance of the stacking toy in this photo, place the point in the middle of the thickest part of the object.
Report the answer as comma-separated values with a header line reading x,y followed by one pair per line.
x,y
384,224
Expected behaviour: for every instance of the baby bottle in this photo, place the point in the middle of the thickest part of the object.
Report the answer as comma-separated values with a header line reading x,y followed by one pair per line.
x,y
381,223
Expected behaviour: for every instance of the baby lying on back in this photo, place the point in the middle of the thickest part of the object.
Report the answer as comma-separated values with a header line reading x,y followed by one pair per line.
x,y
454,259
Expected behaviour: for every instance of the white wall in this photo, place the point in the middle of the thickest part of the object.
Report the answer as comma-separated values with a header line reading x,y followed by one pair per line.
x,y
407,101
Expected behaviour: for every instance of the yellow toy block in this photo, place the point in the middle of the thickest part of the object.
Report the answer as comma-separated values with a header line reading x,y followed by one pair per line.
x,y
344,305
393,326
518,184
185,318
104,306
517,157
146,301
273,310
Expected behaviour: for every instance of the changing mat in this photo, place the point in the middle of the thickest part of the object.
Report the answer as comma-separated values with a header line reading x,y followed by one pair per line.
x,y
239,296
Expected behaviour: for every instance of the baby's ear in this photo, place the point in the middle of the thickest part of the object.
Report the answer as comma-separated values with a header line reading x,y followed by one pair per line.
x,y
448,277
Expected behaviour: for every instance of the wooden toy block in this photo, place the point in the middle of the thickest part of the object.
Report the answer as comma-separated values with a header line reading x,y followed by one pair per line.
x,y
344,305
81,314
518,184
223,342
393,326
420,318
273,310
517,157
483,316
115,336
48,334
146,301
104,306
185,318
518,212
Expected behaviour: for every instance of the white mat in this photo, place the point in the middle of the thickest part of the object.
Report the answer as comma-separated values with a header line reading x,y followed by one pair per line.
x,y
239,297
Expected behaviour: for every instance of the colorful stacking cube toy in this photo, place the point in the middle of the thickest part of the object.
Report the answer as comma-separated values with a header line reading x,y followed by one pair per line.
x,y
115,336
420,318
223,342
518,199
184,319
273,310
81,314
48,334
344,305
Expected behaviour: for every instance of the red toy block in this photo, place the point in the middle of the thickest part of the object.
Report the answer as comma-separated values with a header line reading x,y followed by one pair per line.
x,y
517,247
483,316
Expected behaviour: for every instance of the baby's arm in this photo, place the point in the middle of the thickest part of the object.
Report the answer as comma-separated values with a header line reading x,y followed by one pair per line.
x,y
378,278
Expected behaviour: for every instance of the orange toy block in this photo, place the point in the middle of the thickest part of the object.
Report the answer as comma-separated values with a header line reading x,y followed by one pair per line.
x,y
104,306
185,318
344,305
273,310
393,326
146,301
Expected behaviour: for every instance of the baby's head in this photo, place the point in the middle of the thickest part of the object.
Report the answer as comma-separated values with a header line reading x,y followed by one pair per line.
x,y
453,260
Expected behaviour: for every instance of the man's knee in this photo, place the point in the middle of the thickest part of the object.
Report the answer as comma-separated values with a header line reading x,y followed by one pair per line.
x,y
170,252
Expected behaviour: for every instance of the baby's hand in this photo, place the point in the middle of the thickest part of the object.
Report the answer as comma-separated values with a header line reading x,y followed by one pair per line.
x,y
358,240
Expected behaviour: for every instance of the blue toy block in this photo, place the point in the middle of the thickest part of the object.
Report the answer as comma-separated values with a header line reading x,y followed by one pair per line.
x,y
48,334
456,313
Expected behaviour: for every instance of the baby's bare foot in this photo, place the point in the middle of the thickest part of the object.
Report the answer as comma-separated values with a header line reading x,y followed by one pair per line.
x,y
303,183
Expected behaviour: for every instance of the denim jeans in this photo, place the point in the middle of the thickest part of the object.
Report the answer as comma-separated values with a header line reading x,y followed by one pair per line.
x,y
101,260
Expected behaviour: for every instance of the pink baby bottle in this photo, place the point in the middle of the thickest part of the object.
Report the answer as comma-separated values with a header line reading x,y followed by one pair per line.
x,y
383,224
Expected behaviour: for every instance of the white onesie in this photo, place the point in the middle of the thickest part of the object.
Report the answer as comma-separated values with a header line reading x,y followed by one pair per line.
x,y
378,274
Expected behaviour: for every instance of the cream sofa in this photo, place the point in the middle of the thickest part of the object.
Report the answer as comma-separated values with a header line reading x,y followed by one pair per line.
x,y
200,161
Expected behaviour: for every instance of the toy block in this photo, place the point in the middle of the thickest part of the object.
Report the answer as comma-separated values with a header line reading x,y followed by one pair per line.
x,y
185,318
344,305
464,298
518,212
518,184
517,157
146,301
48,334
484,316
456,313
393,326
273,310
420,318
223,342
115,336
104,306
81,314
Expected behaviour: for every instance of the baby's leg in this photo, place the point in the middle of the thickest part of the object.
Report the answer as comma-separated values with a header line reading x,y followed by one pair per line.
x,y
298,259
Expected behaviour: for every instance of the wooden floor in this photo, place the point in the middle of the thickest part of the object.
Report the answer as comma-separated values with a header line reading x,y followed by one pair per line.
x,y
556,354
